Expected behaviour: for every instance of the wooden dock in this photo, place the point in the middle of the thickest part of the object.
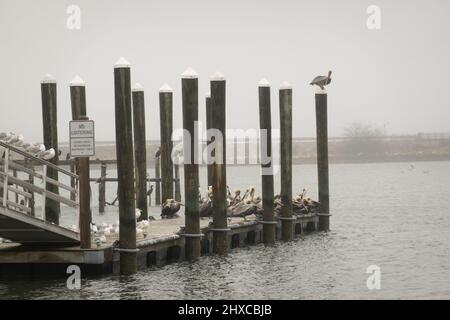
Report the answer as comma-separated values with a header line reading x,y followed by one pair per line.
x,y
164,244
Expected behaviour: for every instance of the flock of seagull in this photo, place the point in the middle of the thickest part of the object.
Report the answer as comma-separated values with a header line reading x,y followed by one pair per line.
x,y
35,149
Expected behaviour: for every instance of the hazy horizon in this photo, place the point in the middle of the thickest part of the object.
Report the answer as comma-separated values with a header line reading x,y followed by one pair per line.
x,y
390,78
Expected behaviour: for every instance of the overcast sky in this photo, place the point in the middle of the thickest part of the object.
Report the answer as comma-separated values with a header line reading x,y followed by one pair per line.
x,y
396,77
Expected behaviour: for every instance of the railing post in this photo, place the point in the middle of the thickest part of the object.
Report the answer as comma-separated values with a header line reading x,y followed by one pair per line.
x,y
73,195
44,193
322,160
219,201
102,188
140,154
85,216
265,146
209,121
125,168
166,126
189,84
285,96
5,181
176,168
50,128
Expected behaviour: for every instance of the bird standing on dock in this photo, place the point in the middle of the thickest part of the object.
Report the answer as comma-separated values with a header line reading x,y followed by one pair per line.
x,y
170,208
322,81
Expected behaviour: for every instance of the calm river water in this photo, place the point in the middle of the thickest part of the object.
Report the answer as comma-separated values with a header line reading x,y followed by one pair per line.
x,y
393,215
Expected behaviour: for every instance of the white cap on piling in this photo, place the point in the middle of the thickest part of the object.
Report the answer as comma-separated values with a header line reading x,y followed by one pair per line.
x,y
77,82
208,95
48,78
285,85
318,90
122,63
264,83
189,73
165,88
218,76
137,88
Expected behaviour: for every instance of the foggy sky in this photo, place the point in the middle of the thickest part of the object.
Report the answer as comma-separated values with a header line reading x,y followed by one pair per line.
x,y
397,77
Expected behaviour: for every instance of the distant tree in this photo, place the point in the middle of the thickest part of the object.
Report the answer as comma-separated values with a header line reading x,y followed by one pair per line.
x,y
363,139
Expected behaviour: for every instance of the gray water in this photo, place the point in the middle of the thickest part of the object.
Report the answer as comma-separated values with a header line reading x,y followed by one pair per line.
x,y
383,214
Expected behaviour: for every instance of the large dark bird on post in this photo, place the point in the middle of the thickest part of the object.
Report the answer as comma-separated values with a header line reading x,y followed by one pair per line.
x,y
322,81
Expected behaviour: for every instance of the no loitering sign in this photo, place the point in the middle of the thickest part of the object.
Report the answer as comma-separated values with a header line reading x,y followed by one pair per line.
x,y
82,138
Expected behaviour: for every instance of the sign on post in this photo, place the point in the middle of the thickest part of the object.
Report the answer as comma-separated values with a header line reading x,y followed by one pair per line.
x,y
82,138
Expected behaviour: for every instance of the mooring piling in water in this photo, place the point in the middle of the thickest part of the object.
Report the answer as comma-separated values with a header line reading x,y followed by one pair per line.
x,y
102,188
85,215
50,129
166,127
265,143
209,121
125,168
219,202
140,153
285,101
322,159
189,86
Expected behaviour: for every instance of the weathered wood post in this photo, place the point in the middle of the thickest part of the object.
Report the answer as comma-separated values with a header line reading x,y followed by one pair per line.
x,y
125,168
189,86
265,124
50,128
78,107
219,202
176,168
85,215
140,150
102,188
158,180
285,101
166,127
322,159
209,120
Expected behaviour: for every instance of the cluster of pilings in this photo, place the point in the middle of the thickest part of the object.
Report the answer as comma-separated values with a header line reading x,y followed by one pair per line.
x,y
131,159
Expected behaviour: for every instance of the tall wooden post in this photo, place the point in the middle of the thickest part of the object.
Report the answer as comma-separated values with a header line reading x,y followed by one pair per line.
x,y
158,181
322,160
166,127
209,120
140,153
265,124
102,188
176,169
85,215
50,128
125,168
219,201
285,96
189,85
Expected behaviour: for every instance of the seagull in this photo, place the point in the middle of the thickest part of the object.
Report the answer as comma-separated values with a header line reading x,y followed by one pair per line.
x,y
322,81
35,148
138,213
48,154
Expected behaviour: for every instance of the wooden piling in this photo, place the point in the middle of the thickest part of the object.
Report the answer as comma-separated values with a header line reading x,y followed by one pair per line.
x,y
102,188
285,101
50,130
176,169
189,85
85,215
210,167
140,153
219,201
166,127
322,160
158,181
125,168
265,124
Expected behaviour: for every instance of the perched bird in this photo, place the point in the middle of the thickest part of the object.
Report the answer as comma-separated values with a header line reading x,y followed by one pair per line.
x,y
35,148
322,81
47,154
170,208
138,213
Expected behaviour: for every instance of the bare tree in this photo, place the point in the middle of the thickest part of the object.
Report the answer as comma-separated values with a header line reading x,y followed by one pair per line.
x,y
363,139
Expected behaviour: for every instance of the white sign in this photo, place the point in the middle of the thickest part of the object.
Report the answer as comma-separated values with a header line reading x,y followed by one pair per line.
x,y
82,138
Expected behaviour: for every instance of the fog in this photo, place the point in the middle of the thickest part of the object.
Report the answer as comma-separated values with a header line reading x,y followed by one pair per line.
x,y
395,77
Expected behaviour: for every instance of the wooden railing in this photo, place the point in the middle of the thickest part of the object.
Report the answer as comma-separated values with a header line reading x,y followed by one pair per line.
x,y
25,191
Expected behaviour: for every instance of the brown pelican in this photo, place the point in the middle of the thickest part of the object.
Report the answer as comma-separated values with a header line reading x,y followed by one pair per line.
x,y
170,208
322,81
